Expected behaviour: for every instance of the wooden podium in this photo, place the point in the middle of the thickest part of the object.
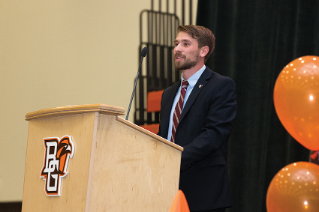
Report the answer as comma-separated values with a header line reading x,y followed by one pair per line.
x,y
115,165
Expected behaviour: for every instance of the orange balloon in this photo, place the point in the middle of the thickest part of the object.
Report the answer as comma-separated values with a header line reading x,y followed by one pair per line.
x,y
295,188
296,99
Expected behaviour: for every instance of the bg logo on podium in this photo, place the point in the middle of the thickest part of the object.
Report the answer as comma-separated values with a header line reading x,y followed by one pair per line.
x,y
56,159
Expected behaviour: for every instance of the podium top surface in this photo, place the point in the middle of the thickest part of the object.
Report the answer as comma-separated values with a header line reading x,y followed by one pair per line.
x,y
159,138
102,108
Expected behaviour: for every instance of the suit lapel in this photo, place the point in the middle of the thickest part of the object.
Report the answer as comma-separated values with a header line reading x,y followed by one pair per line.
x,y
172,95
201,82
168,107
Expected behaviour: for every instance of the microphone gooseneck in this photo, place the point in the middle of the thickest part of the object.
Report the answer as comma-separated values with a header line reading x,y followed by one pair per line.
x,y
143,54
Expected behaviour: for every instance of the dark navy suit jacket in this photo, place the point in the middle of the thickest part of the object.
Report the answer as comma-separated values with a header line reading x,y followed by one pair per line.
x,y
203,131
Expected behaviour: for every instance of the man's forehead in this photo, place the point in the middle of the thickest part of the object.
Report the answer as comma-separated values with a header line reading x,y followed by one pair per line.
x,y
183,36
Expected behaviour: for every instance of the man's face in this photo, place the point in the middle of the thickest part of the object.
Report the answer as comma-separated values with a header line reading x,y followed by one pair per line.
x,y
186,51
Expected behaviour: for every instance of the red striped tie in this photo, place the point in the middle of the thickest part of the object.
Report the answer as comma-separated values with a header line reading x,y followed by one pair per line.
x,y
178,109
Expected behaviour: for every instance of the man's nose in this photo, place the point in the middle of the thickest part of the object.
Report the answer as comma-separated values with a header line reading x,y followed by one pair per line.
x,y
177,48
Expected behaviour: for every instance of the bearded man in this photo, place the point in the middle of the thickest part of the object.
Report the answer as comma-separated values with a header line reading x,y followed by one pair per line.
x,y
197,113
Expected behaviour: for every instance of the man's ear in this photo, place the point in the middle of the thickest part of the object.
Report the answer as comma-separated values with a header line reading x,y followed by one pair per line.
x,y
204,51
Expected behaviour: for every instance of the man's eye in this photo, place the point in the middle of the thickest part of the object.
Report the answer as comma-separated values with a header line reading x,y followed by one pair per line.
x,y
186,44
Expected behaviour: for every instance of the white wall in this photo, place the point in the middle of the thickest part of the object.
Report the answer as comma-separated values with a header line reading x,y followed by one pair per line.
x,y
57,53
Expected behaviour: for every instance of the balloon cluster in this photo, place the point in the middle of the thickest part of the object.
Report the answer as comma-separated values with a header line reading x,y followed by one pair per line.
x,y
295,188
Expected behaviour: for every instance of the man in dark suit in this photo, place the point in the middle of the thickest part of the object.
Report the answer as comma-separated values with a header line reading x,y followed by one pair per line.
x,y
197,114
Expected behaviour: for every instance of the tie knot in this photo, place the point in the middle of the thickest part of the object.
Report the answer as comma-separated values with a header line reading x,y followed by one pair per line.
x,y
184,84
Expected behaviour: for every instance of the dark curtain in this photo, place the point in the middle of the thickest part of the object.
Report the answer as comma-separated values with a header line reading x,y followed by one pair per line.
x,y
255,39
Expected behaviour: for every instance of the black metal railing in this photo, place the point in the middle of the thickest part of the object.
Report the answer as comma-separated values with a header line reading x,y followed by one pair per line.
x,y
157,33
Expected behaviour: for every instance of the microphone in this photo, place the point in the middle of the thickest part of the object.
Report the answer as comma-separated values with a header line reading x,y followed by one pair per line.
x,y
143,54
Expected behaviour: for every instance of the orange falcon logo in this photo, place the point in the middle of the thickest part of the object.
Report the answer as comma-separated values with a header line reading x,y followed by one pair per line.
x,y
56,158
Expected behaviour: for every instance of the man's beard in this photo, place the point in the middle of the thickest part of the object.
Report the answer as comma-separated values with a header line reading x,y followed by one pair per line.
x,y
188,64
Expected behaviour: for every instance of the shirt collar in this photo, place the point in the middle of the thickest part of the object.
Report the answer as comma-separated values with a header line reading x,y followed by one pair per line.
x,y
194,78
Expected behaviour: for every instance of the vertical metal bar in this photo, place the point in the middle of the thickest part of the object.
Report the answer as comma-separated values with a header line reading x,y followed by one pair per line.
x,y
161,68
156,35
152,27
171,29
149,62
174,6
183,12
149,26
169,66
136,118
141,95
154,64
141,26
171,53
190,12
177,76
167,20
148,115
160,28
149,68
165,27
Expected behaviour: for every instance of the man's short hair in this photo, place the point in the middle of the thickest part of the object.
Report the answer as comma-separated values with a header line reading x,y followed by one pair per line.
x,y
204,36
